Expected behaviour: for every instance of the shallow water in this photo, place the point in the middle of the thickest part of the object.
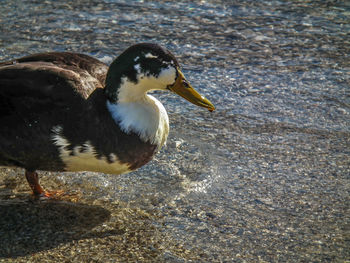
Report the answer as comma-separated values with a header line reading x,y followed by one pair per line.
x,y
263,178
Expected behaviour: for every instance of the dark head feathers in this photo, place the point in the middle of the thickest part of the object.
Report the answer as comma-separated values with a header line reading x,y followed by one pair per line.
x,y
155,49
151,58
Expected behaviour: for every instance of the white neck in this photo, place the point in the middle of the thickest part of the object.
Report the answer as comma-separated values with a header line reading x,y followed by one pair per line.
x,y
137,112
132,92
146,117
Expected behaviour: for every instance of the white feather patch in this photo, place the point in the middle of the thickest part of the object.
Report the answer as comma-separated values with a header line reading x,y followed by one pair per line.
x,y
87,160
131,92
137,67
146,117
149,55
141,113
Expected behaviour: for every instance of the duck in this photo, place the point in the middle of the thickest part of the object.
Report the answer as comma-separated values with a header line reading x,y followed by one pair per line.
x,y
70,112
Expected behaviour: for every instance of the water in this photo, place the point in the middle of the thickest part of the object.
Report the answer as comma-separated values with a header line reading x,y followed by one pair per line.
x,y
263,178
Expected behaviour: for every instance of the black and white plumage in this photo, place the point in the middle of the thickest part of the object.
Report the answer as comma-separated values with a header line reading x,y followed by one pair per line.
x,y
70,112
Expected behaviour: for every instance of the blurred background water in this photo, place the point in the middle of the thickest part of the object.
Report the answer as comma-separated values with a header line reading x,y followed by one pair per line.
x,y
263,178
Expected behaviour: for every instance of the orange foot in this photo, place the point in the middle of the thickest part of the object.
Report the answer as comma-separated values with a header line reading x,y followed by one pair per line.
x,y
40,193
58,195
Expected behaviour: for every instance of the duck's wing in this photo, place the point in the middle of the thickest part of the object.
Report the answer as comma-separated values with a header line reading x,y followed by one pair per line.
x,y
49,78
37,93
87,73
45,82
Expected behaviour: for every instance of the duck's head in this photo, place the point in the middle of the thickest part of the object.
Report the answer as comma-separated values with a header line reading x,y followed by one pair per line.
x,y
144,67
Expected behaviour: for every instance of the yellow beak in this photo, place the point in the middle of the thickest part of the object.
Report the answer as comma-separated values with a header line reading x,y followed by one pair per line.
x,y
185,90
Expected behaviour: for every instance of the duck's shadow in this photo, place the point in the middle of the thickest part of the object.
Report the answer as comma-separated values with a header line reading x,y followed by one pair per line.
x,y
28,227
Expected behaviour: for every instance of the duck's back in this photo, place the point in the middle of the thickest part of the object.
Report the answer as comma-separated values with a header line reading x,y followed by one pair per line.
x,y
41,71
40,92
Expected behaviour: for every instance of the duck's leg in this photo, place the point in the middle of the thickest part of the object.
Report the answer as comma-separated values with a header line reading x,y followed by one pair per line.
x,y
33,180
39,192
